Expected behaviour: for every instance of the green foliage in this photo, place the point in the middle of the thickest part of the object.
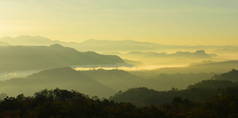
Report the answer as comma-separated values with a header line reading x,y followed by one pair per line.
x,y
60,103
70,104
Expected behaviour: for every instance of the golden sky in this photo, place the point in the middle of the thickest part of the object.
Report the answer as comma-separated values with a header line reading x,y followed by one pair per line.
x,y
163,21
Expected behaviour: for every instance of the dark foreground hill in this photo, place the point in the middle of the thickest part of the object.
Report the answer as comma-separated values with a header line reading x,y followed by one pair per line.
x,y
231,76
71,104
17,58
197,92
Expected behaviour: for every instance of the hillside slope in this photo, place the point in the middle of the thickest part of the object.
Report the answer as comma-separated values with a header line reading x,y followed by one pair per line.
x,y
16,58
196,92
66,78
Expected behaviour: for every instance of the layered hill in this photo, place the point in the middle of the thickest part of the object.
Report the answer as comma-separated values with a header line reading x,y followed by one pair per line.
x,y
17,58
229,76
179,54
205,67
197,92
117,79
103,83
92,44
66,78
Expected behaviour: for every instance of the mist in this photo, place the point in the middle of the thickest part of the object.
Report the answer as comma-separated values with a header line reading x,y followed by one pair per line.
x,y
118,59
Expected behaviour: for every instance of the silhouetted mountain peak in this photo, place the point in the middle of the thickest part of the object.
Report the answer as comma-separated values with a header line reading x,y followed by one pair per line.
x,y
200,52
231,76
56,46
14,58
58,72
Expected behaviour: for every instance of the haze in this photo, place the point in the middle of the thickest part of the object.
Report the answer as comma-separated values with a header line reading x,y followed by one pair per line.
x,y
118,59
189,22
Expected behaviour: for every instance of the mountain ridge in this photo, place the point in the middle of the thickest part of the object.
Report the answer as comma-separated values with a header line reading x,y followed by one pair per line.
x,y
14,58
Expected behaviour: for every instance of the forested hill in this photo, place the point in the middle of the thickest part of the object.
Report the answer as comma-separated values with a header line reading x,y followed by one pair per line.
x,y
231,76
198,92
17,58
71,104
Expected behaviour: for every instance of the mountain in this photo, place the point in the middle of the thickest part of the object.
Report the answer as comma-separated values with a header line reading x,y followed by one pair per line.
x,y
140,97
219,66
100,82
88,45
197,92
105,45
116,79
122,45
163,81
60,103
122,80
146,97
27,40
16,58
66,78
205,67
179,54
219,63
229,76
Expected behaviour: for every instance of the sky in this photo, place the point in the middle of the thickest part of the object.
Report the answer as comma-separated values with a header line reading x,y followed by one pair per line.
x,y
189,22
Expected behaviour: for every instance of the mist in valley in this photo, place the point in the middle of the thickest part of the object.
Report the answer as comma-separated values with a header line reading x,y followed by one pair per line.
x,y
33,63
118,59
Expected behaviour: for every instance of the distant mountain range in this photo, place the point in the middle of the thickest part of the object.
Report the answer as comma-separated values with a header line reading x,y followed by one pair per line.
x,y
105,83
180,54
103,45
17,58
33,41
205,67
27,40
124,45
88,45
